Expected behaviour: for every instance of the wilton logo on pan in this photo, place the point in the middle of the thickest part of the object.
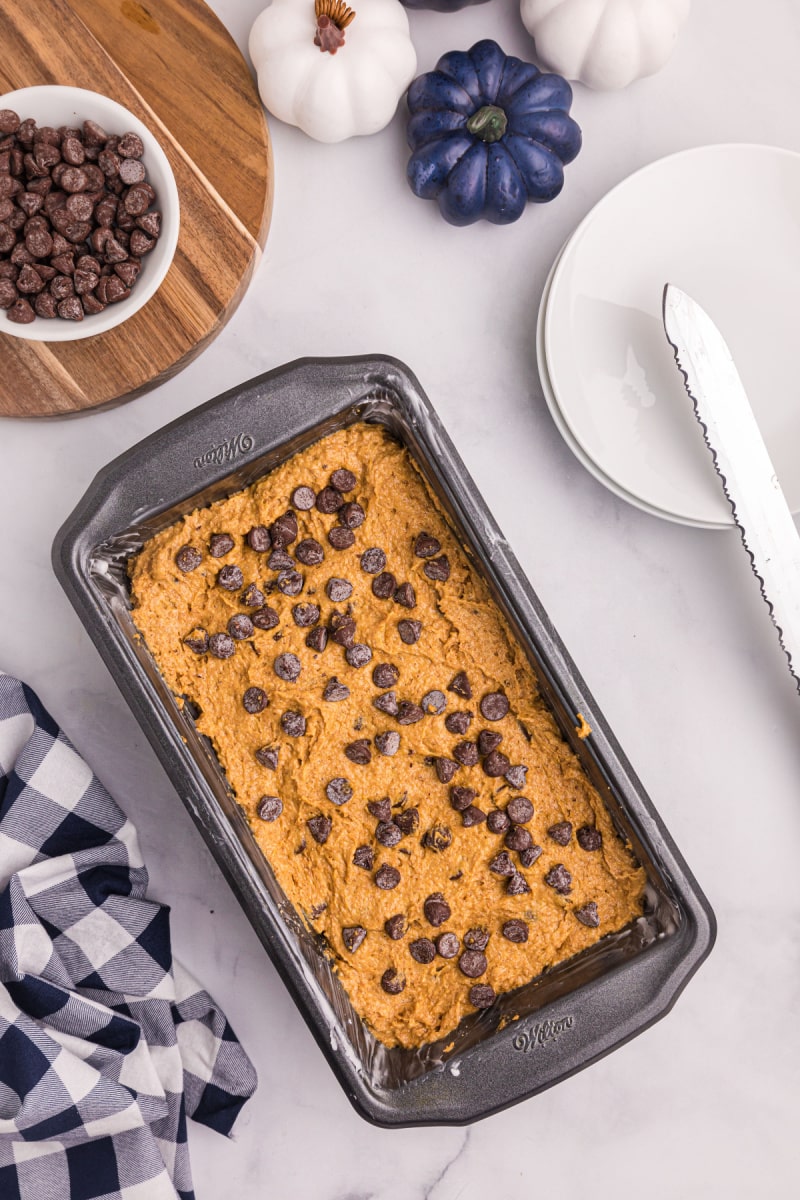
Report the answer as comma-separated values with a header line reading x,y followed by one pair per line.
x,y
225,451
543,1031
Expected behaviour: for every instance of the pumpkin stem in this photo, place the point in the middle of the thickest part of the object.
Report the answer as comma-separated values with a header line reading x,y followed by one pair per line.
x,y
333,17
488,123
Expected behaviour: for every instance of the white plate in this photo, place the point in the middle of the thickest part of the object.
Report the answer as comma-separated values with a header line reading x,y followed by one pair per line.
x,y
564,430
723,223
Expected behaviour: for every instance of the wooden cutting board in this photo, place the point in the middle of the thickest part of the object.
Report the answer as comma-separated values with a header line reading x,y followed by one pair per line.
x,y
173,64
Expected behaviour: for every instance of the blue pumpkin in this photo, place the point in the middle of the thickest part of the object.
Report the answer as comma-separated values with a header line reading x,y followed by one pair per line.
x,y
489,133
441,5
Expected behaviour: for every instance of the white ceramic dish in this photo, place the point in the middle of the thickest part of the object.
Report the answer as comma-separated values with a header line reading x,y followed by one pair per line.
x,y
723,223
564,429
53,105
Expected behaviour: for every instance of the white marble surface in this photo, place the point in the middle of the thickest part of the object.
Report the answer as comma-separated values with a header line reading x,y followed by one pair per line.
x,y
664,622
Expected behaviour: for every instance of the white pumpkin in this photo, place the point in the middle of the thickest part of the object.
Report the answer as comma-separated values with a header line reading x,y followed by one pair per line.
x,y
333,71
604,43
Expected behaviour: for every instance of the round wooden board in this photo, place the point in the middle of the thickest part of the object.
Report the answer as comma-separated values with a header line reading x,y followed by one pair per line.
x,y
176,67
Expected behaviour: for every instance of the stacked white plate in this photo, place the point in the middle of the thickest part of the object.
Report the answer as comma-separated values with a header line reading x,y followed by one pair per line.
x,y
723,224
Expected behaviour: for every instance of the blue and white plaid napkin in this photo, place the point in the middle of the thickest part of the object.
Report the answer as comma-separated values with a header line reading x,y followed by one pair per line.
x,y
106,1044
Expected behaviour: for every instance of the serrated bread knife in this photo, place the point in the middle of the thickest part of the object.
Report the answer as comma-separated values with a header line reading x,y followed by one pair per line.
x,y
742,461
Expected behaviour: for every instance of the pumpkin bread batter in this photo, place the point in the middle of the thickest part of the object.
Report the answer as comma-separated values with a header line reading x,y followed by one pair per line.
x,y
383,731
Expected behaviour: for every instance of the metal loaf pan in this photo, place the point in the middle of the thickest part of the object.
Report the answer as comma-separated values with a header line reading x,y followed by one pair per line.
x,y
530,1039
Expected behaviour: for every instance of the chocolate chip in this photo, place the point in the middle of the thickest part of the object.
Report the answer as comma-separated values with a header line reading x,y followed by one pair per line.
x,y
358,655
434,702
341,538
589,837
265,618
473,963
317,639
353,936
373,560
240,626
520,810
197,641
436,909
495,764
352,515
461,797
329,500
338,791
516,776
279,560
477,938
407,821
320,828
422,950
515,931
408,713
558,877
290,583
561,832
528,857
426,546
364,857
518,838
303,498
220,543
447,945
221,645
501,864
409,631
259,539
253,597
267,756
387,703
445,769
387,878
388,743
381,810
287,667
230,578
458,722
437,838
269,808
293,724
309,552
383,585
385,675
497,821
188,559
359,752
338,590
305,615
21,313
255,700
472,816
343,629
388,833
517,885
392,982
396,926
494,706
283,531
461,686
437,569
588,915
482,995
466,753
343,480
488,741
405,596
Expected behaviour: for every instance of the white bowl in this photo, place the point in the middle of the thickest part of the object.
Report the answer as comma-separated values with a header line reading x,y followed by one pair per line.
x,y
49,104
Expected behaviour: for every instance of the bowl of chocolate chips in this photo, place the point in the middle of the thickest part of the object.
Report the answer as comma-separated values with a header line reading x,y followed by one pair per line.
x,y
89,214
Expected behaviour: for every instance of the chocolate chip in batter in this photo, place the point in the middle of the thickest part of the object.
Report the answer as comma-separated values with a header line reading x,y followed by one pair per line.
x,y
279,560
230,578
329,500
515,931
392,982
561,832
320,828
290,583
309,552
528,857
343,480
434,702
258,539
409,631
437,569
437,838
458,722
240,626
305,615
352,515
293,724
317,639
388,743
497,821
283,531
364,857
494,706
520,810
461,797
381,810
373,560
445,769
388,833
408,713
473,963
287,667
501,864
338,590
436,909
472,816
359,752
335,691
461,686
516,776
517,885
265,618
221,645
407,821
267,756
495,764
396,926
255,700
587,914
387,878
341,538
447,945
558,877
383,585
220,543
426,546
476,938
252,596
197,641
303,498
270,808
482,995
343,629
385,675
518,838
488,741
466,753
358,655
353,936
338,791
387,703
405,596
589,837
422,950
188,559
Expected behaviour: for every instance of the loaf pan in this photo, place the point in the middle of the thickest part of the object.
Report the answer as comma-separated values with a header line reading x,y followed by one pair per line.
x,y
530,1039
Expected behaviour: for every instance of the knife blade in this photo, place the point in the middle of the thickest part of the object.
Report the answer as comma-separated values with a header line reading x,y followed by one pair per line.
x,y
742,461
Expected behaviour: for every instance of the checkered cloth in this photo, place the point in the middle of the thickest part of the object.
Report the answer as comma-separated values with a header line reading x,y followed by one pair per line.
x,y
106,1044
